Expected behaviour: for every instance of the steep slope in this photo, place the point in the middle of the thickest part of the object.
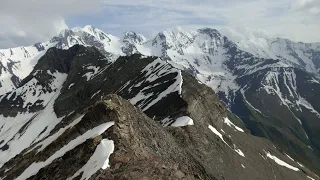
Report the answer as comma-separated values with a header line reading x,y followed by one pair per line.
x,y
23,109
281,87
178,130
304,55
17,63
271,84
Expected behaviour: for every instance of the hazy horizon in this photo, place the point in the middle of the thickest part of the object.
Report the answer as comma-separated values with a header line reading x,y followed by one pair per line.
x,y
37,21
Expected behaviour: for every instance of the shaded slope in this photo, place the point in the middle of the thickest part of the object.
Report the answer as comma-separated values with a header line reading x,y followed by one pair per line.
x,y
144,142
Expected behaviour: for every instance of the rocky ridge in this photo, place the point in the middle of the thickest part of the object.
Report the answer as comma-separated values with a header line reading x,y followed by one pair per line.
x,y
146,141
270,84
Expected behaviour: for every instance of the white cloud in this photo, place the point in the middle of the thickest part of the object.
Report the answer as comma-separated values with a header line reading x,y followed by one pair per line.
x,y
294,19
311,6
24,22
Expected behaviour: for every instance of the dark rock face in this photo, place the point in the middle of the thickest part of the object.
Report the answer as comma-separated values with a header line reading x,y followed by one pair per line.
x,y
213,33
69,38
110,80
276,102
54,61
131,39
39,46
146,147
290,126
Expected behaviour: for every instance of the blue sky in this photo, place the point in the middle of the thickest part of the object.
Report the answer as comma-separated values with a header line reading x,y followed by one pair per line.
x,y
117,19
29,21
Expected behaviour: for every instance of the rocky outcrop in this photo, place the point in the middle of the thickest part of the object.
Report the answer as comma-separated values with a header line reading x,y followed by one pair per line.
x,y
272,86
163,124
146,149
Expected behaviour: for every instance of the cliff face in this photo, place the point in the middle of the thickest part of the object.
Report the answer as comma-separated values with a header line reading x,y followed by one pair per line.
x,y
271,84
135,118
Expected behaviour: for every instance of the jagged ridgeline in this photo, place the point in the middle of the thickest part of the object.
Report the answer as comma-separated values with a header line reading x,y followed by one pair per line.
x,y
112,110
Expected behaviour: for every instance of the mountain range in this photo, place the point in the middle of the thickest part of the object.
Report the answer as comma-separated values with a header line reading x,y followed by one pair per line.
x,y
211,100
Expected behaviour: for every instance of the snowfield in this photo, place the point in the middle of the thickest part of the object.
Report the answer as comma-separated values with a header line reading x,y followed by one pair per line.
x,y
35,167
99,160
183,121
280,162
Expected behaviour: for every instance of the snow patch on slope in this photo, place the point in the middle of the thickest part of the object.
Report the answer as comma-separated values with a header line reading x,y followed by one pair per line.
x,y
281,163
240,152
306,104
245,99
229,123
18,133
70,86
271,84
216,132
96,93
43,144
93,71
289,157
310,178
183,121
36,166
289,52
152,72
23,59
99,160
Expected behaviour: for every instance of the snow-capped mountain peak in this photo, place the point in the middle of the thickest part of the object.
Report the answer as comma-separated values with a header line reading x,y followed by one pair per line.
x,y
185,49
132,37
302,55
271,84
98,34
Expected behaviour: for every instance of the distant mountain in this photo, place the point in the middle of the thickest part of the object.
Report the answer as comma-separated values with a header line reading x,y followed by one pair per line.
x,y
270,85
301,55
69,119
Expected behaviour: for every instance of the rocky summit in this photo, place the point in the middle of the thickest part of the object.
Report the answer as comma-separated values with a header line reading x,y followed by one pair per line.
x,y
181,105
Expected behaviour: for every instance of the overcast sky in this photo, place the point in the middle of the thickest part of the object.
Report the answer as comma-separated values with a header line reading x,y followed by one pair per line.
x,y
25,22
